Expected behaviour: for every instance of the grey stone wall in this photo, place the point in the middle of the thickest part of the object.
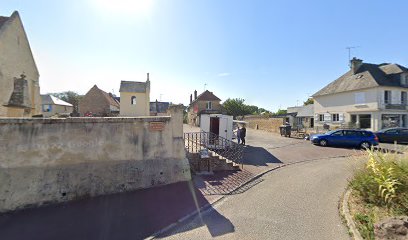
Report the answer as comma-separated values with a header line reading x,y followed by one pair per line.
x,y
54,160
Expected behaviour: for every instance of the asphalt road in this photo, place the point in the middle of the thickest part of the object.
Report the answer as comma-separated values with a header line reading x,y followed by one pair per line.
x,y
295,202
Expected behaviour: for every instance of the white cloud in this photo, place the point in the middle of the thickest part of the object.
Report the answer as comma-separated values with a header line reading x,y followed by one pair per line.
x,y
224,74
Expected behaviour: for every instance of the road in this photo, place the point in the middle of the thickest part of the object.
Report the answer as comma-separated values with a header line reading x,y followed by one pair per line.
x,y
295,202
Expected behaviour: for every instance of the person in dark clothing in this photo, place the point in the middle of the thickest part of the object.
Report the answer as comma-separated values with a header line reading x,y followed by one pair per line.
x,y
243,134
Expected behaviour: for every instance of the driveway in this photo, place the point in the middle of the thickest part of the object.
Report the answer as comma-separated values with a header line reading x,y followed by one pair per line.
x,y
295,202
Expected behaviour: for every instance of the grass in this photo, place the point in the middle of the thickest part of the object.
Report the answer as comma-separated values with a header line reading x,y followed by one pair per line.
x,y
380,190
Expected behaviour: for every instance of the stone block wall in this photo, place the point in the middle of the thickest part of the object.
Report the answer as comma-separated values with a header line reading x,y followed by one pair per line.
x,y
54,160
264,123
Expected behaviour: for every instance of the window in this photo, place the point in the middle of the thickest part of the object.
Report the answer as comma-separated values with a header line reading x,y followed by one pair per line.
x,y
46,108
133,100
209,105
404,98
338,133
365,120
335,117
321,117
387,96
351,133
404,79
392,131
359,98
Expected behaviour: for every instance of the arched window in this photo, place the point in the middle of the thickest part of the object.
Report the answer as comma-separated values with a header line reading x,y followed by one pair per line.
x,y
133,100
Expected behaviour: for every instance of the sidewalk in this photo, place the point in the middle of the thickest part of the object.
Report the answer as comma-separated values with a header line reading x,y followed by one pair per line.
x,y
133,215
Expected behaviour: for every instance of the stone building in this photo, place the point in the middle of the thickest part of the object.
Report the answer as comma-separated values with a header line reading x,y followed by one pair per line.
x,y
159,108
135,98
205,103
98,103
19,76
52,106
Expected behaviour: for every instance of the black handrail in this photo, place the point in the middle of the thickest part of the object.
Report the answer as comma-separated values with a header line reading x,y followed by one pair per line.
x,y
196,141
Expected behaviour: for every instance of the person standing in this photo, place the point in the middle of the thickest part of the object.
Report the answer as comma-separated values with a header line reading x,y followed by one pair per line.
x,y
238,132
243,134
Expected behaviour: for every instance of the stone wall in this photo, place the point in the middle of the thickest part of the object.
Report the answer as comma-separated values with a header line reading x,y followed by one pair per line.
x,y
264,123
54,160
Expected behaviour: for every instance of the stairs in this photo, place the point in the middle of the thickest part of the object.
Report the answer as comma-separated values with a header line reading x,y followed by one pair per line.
x,y
217,163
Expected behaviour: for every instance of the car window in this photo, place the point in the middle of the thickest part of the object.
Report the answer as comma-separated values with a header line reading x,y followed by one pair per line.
x,y
404,131
338,133
392,131
366,134
351,133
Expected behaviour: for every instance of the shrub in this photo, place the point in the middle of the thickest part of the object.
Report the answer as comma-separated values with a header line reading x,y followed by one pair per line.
x,y
384,181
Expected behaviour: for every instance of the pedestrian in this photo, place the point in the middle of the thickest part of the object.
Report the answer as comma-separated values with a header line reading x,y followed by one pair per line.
x,y
238,132
243,134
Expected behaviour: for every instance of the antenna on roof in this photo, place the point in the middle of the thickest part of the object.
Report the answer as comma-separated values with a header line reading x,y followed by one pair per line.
x,y
205,85
349,53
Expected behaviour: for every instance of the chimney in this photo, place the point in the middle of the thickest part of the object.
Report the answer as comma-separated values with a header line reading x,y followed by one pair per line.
x,y
195,94
148,77
355,63
191,98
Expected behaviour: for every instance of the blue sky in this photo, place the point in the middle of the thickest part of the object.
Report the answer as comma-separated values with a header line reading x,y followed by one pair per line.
x,y
271,53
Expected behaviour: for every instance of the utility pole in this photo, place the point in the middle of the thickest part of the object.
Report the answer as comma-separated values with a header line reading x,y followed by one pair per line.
x,y
349,52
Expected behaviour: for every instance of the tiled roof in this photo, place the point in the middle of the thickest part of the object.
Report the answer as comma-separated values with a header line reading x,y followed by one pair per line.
x,y
306,111
129,86
367,76
206,96
159,107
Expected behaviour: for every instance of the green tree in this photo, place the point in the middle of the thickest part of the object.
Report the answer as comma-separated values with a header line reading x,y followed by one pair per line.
x,y
251,109
235,107
69,97
308,101
281,111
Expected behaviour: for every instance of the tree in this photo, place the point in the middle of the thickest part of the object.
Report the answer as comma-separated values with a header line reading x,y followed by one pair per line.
x,y
251,109
308,101
281,111
235,107
69,97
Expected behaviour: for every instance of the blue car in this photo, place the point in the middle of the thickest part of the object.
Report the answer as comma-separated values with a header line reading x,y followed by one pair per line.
x,y
346,138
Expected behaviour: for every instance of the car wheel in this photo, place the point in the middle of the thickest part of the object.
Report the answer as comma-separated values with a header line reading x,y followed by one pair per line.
x,y
323,143
365,145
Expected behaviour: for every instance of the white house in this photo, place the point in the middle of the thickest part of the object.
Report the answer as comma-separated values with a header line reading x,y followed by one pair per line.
x,y
369,96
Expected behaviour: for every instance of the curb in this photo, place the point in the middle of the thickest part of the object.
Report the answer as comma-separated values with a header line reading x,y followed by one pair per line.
x,y
345,211
208,205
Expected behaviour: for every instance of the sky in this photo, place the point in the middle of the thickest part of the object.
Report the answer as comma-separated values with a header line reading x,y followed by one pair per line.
x,y
272,53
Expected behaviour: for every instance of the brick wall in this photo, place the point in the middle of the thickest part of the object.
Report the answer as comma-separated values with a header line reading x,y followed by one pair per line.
x,y
264,123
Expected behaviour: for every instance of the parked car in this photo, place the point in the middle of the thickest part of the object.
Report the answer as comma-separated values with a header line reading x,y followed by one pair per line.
x,y
391,135
347,138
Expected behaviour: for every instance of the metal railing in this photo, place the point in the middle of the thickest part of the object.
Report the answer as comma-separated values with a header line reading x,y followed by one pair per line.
x,y
197,141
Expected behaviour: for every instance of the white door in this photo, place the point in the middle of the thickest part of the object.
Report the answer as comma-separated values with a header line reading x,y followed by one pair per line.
x,y
226,127
205,123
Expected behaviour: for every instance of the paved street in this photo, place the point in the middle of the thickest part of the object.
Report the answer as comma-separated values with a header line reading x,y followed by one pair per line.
x,y
295,202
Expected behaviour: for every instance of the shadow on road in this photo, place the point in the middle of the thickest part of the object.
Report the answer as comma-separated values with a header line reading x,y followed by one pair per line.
x,y
258,156
217,224
131,215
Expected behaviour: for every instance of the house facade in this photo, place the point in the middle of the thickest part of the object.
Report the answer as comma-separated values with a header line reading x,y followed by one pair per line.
x,y
52,106
19,76
135,98
205,103
368,96
98,103
303,118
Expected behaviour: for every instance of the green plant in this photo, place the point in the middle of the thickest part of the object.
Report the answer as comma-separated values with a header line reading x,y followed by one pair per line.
x,y
365,224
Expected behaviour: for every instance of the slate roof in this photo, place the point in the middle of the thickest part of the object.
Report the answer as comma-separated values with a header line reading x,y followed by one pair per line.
x,y
206,96
3,20
306,111
368,75
52,100
159,107
130,86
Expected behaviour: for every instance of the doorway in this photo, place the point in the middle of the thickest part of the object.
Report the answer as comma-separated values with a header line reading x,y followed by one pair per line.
x,y
215,125
311,122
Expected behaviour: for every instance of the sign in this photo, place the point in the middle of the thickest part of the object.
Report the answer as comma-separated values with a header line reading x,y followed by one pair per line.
x,y
204,153
156,126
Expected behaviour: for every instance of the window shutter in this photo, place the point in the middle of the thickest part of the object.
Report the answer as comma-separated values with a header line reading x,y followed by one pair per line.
x,y
341,117
316,117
